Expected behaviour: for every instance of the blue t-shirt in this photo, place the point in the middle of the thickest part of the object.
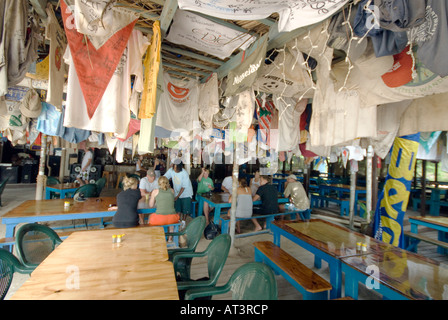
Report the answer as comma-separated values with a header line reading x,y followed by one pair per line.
x,y
180,180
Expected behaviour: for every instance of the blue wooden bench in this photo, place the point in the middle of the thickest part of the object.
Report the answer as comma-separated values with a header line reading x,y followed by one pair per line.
x,y
322,201
411,241
431,203
225,221
310,284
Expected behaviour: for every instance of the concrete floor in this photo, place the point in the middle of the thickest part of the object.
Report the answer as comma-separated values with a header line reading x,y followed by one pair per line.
x,y
242,252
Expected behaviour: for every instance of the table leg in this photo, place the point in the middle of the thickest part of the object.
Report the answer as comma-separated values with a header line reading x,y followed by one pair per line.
x,y
335,279
200,206
351,285
47,194
217,215
442,236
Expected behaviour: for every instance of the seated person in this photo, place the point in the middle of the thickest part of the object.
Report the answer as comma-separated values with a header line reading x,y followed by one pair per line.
x,y
255,182
148,183
296,194
267,193
127,203
163,199
205,185
244,205
227,184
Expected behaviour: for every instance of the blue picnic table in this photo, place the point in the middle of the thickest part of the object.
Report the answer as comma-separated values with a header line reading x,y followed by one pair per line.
x,y
220,200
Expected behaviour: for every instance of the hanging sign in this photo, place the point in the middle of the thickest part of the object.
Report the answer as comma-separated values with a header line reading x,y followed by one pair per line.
x,y
199,33
242,77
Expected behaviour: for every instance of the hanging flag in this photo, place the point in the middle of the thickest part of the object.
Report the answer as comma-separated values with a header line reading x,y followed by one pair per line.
x,y
243,76
94,67
393,201
152,64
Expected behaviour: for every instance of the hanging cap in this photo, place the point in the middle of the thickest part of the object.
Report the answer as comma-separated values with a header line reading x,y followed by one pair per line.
x,y
401,72
31,106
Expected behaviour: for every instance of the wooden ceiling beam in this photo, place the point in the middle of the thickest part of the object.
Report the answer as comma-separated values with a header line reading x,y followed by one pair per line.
x,y
169,9
190,63
175,66
192,55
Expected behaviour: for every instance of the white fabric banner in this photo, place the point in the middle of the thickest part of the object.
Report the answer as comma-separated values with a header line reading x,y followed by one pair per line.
x,y
293,13
196,32
285,76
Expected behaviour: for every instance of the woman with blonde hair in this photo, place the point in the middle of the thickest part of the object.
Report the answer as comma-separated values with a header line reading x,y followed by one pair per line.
x,y
163,200
127,203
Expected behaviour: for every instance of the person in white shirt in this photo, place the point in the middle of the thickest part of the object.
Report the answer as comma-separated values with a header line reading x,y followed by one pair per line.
x,y
227,184
87,160
148,183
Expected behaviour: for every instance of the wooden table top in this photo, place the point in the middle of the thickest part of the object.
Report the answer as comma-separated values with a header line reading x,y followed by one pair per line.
x,y
64,186
87,265
441,221
56,206
412,275
330,238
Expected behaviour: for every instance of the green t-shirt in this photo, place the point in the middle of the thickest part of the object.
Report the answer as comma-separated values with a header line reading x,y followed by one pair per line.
x,y
203,185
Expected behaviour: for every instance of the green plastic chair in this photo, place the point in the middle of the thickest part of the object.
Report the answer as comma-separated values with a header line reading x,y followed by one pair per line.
x,y
9,265
216,253
193,232
52,181
100,183
2,187
252,281
34,242
86,191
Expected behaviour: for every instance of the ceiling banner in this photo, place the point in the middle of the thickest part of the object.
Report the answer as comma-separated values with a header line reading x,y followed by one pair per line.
x,y
242,77
94,67
293,13
199,33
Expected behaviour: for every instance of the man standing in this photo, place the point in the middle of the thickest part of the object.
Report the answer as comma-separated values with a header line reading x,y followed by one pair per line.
x,y
183,190
87,160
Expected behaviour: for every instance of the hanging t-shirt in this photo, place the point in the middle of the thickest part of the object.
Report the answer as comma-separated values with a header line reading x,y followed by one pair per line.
x,y
289,122
113,113
178,105
432,37
49,120
208,101
58,43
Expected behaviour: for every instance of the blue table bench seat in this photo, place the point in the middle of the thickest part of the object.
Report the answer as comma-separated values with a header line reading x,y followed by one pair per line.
x,y
310,284
322,201
225,221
